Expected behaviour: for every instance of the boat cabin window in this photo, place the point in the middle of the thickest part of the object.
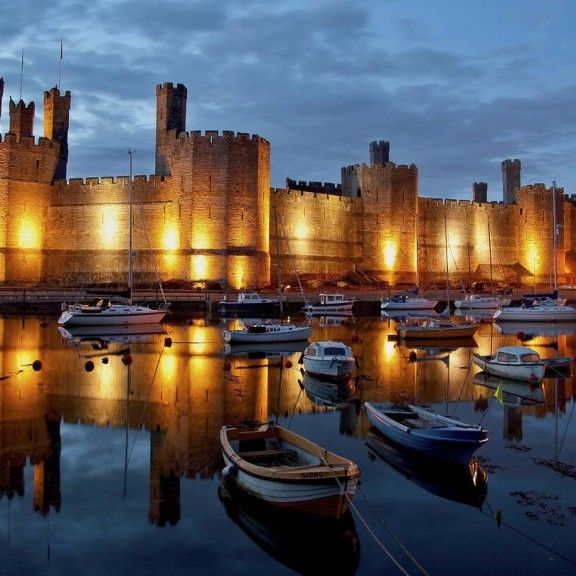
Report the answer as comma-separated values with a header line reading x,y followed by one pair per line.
x,y
334,351
506,357
530,357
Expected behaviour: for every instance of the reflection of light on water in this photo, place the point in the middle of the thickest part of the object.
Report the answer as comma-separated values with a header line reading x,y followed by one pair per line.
x,y
168,367
389,349
106,375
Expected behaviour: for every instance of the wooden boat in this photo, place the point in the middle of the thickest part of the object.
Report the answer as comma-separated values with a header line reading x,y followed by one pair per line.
x,y
463,483
261,332
249,302
294,538
330,304
329,359
426,432
437,327
286,470
513,362
513,392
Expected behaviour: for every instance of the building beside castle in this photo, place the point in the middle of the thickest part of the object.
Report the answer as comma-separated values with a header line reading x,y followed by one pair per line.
x,y
209,215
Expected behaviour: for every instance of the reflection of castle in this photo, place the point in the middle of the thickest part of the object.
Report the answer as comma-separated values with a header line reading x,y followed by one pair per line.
x,y
207,213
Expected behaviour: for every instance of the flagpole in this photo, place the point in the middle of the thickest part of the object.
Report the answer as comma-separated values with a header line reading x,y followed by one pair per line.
x,y
60,65
21,74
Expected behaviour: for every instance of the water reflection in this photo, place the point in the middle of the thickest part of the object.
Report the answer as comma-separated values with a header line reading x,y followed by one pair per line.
x,y
184,388
464,483
306,544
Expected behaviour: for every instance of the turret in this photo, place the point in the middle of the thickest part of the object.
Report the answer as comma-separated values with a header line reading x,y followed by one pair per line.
x,y
170,115
1,94
480,192
56,124
510,180
21,119
379,152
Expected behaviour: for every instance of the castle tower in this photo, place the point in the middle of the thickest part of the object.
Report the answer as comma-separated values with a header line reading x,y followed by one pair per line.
x,y
170,115
510,180
21,119
480,192
56,124
379,153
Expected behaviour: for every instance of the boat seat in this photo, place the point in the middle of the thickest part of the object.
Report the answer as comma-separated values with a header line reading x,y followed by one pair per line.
x,y
267,455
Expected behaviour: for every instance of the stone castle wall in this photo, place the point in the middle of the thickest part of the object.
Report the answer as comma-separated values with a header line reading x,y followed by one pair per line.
x,y
210,216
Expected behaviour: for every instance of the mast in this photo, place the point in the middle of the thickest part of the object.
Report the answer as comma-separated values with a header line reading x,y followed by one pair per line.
x,y
278,271
447,272
490,254
555,237
130,191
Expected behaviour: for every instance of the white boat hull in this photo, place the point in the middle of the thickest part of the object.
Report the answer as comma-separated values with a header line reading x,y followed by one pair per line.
x,y
329,367
329,308
272,333
409,304
478,303
544,313
530,373
116,315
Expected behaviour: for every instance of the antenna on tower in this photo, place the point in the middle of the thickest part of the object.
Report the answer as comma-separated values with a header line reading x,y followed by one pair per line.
x,y
60,65
21,74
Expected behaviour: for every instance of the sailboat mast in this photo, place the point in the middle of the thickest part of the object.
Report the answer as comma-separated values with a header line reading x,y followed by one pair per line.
x,y
130,226
555,237
447,271
490,254
278,271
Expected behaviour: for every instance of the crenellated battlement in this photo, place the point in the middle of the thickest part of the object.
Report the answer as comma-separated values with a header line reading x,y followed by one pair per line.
x,y
213,137
316,187
29,142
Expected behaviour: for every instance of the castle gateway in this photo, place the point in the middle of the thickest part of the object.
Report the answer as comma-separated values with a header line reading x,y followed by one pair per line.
x,y
209,216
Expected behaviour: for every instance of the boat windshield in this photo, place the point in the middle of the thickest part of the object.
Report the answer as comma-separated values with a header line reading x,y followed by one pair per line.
x,y
334,351
531,357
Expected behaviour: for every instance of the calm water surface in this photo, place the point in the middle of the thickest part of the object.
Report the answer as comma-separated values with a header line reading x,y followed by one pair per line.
x,y
110,462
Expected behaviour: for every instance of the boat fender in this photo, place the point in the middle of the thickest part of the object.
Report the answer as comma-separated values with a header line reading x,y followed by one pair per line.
x,y
230,471
168,342
408,431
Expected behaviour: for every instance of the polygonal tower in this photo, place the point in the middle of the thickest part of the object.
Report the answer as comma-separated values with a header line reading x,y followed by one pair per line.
x,y
21,119
480,192
379,153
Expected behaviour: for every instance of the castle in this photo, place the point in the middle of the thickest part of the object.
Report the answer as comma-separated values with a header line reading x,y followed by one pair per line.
x,y
208,215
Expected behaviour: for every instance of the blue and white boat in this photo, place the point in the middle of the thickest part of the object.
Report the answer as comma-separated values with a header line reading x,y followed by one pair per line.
x,y
426,432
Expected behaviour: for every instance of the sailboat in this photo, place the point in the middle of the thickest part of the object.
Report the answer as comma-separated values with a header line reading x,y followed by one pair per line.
x,y
481,301
422,328
101,311
270,332
411,300
550,310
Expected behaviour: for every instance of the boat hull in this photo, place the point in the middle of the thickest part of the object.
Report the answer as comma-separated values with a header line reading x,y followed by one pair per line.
x,y
548,313
527,372
409,304
329,368
422,333
114,316
453,443
324,485
272,333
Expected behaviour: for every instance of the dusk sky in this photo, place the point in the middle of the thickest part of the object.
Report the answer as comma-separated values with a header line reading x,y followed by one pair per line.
x,y
455,86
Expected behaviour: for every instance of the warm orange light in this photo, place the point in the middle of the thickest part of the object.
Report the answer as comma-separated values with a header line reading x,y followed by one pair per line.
x,y
390,251
171,239
199,267
301,230
110,226
28,234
